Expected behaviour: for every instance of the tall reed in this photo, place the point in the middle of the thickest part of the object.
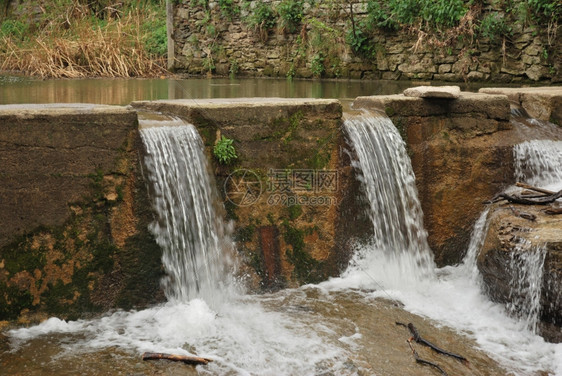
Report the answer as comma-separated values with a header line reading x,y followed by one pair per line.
x,y
77,44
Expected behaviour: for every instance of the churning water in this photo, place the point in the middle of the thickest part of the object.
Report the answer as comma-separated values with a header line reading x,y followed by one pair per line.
x,y
330,328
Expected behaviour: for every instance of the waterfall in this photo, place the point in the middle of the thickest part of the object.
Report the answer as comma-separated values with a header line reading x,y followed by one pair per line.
x,y
538,162
526,270
189,227
389,182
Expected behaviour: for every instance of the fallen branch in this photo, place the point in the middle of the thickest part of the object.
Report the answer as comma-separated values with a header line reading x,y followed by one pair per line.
x,y
531,188
194,360
423,361
416,337
532,201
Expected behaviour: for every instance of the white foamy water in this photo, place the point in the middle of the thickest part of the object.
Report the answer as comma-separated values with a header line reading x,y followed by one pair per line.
x,y
242,339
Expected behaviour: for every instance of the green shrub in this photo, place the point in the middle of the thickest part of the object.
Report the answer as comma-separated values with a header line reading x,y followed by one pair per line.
x,y
224,150
494,27
317,65
445,13
359,41
228,9
392,14
156,39
263,17
291,13
545,10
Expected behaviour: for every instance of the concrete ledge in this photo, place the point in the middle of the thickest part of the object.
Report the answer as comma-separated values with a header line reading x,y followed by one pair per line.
x,y
492,106
237,111
543,103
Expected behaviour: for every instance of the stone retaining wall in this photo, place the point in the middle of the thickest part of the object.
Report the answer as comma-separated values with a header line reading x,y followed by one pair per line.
x,y
205,41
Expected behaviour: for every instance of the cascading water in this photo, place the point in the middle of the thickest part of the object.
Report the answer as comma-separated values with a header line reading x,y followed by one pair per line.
x,y
337,327
389,182
451,295
526,270
539,163
197,250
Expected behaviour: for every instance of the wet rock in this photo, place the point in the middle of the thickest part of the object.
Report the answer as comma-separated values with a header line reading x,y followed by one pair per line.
x,y
503,244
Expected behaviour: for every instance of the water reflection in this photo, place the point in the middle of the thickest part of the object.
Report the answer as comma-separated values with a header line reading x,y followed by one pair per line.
x,y
124,91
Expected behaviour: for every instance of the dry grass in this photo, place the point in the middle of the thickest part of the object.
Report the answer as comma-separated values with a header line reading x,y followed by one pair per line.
x,y
74,49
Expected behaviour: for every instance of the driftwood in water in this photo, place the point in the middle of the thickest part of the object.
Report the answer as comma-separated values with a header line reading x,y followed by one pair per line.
x,y
423,361
194,360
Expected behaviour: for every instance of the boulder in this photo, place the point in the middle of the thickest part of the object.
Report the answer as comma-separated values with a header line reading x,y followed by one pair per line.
x,y
509,242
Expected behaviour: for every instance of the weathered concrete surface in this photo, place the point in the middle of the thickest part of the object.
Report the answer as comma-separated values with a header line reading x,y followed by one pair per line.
x,y
504,232
293,232
461,152
543,103
72,211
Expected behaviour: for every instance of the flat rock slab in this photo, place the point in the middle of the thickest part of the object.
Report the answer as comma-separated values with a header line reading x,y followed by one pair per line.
x,y
449,92
492,106
543,103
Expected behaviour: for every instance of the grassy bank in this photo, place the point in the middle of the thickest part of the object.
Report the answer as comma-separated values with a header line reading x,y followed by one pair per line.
x,y
83,38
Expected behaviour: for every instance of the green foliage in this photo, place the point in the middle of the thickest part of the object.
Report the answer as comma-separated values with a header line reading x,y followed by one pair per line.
x,y
494,27
156,37
359,41
545,10
392,14
443,12
263,17
317,65
224,150
13,28
233,69
291,72
291,14
228,9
